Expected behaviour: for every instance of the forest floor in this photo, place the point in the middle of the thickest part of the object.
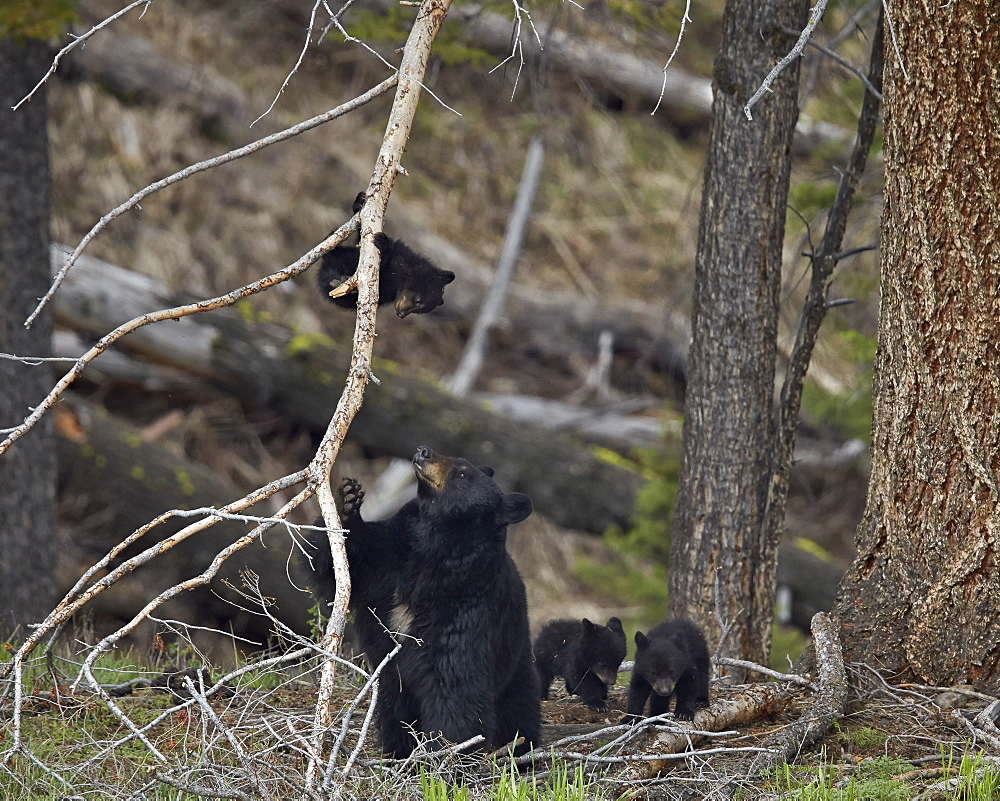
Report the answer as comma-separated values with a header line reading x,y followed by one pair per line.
x,y
251,740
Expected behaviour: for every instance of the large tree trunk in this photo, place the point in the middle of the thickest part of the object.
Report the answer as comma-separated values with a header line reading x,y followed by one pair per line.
x,y
923,596
27,471
719,559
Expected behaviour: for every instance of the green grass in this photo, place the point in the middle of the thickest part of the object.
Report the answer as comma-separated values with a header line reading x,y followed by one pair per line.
x,y
561,783
972,778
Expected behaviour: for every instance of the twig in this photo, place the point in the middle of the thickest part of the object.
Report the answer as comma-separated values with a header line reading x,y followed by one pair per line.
x,y
843,62
76,41
295,67
370,685
685,19
802,681
814,17
241,754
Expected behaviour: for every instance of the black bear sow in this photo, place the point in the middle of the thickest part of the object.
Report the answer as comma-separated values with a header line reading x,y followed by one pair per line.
x,y
466,663
410,281
670,662
377,554
587,657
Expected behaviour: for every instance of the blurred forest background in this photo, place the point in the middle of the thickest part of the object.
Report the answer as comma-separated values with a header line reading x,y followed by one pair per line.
x,y
611,238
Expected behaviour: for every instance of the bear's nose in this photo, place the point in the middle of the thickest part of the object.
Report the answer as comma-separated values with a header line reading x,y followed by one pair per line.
x,y
422,453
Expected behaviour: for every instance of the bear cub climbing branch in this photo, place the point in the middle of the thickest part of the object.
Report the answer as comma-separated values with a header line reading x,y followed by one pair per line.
x,y
410,281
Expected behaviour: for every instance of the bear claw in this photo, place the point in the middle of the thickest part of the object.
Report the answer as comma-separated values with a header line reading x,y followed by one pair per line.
x,y
350,496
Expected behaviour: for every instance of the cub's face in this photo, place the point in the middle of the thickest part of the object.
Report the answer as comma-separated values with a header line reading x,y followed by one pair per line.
x,y
455,488
426,297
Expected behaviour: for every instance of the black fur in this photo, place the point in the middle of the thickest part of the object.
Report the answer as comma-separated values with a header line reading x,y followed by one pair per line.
x,y
587,656
410,281
463,599
670,662
376,553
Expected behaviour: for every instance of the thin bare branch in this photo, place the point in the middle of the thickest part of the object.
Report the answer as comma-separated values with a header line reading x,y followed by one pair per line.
x,y
201,166
685,19
78,40
843,62
802,681
814,17
175,313
295,67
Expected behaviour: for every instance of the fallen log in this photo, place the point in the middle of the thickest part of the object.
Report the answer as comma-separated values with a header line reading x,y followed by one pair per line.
x,y
830,683
266,365
127,481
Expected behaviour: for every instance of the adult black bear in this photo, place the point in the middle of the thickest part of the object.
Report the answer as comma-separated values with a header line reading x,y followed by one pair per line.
x,y
670,662
587,656
377,553
466,664
405,278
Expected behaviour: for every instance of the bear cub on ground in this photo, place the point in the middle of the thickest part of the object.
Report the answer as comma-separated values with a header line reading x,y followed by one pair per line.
x,y
466,667
670,662
585,655
405,278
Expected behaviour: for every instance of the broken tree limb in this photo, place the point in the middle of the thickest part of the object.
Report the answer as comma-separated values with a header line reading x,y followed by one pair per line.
x,y
830,683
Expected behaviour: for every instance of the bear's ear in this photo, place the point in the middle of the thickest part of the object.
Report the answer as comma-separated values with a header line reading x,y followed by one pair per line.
x,y
515,507
641,641
588,626
487,470
616,625
446,276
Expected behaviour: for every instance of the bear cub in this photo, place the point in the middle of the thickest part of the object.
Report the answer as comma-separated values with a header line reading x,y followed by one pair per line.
x,y
670,662
405,278
585,655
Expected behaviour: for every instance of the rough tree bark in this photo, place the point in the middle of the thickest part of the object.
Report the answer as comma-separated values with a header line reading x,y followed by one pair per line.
x,y
27,472
923,596
716,561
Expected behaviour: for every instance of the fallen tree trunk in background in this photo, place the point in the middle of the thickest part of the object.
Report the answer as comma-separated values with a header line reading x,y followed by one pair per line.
x,y
127,481
266,365
298,376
